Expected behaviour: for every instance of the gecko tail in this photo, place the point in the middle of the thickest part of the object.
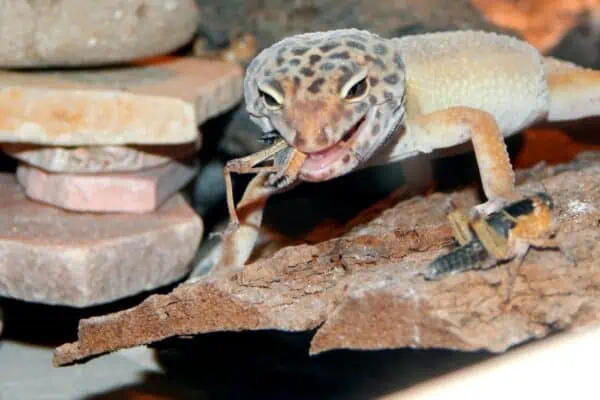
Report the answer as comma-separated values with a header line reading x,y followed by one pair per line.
x,y
574,90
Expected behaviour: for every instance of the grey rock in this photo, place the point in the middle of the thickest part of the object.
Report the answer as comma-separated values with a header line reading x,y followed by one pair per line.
x,y
85,32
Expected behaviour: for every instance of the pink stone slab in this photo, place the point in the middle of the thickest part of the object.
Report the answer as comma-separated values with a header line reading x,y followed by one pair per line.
x,y
134,192
53,256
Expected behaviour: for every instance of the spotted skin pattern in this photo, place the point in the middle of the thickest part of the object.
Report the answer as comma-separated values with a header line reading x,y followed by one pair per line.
x,y
348,99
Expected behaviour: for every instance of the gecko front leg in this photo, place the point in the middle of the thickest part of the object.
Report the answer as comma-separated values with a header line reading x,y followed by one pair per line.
x,y
456,125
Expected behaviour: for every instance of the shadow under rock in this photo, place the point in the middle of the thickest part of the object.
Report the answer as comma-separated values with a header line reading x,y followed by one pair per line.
x,y
275,365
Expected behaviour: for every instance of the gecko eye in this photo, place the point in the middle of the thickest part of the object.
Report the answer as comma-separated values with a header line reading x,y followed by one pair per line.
x,y
355,89
272,102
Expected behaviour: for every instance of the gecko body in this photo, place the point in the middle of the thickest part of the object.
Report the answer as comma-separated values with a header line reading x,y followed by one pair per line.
x,y
348,99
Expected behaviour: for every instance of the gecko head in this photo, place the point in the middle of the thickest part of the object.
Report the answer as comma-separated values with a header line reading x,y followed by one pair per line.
x,y
336,96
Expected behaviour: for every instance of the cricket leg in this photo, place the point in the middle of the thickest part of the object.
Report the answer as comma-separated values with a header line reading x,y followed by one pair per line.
x,y
291,161
239,240
496,244
455,125
247,165
461,228
520,250
574,90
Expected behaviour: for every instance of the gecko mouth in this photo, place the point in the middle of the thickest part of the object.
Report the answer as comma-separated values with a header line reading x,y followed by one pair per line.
x,y
320,160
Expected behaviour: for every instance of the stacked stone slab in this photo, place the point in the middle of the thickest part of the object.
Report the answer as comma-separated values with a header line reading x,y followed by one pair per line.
x,y
94,213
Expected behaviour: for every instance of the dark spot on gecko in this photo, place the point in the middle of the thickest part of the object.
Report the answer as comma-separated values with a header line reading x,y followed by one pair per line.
x,y
276,85
375,130
398,61
297,81
379,62
346,159
373,99
322,138
307,71
331,171
314,58
344,69
373,81
377,114
267,72
283,70
380,49
315,86
328,47
362,107
388,96
299,51
294,61
327,66
299,141
356,45
342,55
391,79
393,104
343,79
279,61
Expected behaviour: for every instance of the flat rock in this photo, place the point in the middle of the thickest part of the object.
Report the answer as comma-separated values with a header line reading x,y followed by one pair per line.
x,y
133,192
158,103
86,32
96,159
78,259
362,289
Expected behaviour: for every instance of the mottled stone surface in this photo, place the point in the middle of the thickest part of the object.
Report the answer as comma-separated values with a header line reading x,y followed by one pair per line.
x,y
362,290
94,159
158,103
57,257
87,32
132,192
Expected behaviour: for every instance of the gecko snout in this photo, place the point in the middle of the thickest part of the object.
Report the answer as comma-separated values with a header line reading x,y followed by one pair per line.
x,y
314,140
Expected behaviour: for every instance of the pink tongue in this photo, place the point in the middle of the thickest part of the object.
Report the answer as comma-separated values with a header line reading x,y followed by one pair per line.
x,y
322,159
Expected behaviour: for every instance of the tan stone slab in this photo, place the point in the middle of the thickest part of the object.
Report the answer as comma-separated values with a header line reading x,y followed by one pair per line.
x,y
88,32
133,192
363,290
53,256
96,159
161,102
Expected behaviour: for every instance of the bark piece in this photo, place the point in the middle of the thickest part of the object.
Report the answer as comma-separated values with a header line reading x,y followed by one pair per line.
x,y
57,257
156,103
362,290
86,32
134,192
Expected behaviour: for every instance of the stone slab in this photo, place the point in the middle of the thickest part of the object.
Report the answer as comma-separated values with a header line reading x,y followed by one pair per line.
x,y
133,192
159,102
87,32
52,256
96,159
361,288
